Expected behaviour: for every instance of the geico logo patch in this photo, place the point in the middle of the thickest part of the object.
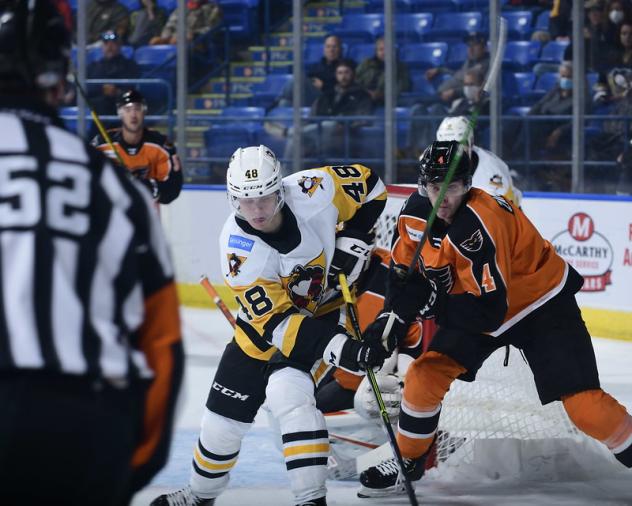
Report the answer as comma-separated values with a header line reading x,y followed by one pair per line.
x,y
228,392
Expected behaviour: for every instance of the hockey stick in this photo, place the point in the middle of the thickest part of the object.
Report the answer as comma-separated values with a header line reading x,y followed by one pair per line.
x,y
97,122
353,316
210,289
492,75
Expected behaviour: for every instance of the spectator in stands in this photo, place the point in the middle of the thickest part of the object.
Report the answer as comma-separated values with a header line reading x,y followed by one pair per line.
x,y
202,17
596,43
622,55
609,143
346,98
425,120
560,20
146,23
113,65
370,74
106,15
477,57
551,139
617,12
323,73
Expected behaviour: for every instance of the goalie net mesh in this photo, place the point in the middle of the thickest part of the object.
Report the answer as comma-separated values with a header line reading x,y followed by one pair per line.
x,y
503,401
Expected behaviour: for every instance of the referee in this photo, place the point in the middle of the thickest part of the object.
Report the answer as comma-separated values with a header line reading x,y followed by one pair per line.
x,y
90,348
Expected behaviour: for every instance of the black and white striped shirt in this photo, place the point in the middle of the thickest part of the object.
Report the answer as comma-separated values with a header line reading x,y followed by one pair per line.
x,y
81,251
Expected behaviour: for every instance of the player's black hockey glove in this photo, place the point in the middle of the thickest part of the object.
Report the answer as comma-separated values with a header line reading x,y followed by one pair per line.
x,y
354,356
431,305
406,295
375,331
350,256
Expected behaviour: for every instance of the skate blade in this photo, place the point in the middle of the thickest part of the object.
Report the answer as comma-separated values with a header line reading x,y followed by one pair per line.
x,y
372,493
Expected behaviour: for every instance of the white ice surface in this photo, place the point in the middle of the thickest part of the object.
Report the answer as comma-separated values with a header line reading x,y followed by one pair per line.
x,y
571,475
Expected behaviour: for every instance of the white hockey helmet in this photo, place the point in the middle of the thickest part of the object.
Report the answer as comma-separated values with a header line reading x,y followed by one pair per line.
x,y
253,172
456,128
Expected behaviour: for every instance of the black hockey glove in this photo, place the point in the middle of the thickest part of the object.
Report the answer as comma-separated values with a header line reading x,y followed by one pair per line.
x,y
351,256
430,308
354,356
406,295
375,331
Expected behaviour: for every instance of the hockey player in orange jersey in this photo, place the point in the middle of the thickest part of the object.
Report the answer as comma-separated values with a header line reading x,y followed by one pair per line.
x,y
489,279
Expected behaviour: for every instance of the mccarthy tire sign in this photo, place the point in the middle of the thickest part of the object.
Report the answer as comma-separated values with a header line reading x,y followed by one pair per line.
x,y
588,251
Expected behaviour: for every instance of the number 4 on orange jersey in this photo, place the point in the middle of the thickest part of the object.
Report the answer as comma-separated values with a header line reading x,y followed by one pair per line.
x,y
488,282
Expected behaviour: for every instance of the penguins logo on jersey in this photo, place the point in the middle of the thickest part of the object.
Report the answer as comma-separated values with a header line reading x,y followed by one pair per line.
x,y
305,285
310,184
474,242
234,263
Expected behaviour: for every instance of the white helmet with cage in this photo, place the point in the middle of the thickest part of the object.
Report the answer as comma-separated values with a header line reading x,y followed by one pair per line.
x,y
254,172
456,128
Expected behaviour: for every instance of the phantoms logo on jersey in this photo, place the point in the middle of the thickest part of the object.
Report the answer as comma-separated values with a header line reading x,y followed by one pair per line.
x,y
588,251
474,242
310,184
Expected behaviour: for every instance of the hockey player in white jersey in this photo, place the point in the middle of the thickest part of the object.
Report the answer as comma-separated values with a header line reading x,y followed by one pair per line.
x,y
490,172
281,252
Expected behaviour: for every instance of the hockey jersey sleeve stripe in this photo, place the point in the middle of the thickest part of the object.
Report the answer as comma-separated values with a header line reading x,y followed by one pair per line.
x,y
160,340
244,332
289,333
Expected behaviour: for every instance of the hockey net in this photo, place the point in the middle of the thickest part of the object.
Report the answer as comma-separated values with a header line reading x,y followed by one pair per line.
x,y
501,404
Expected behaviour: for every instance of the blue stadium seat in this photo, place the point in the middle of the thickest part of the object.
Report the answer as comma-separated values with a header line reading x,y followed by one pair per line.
x,y
168,5
424,54
378,5
360,52
69,116
275,143
591,79
266,93
518,24
542,21
360,27
455,25
546,81
412,27
150,56
553,51
224,137
313,51
367,143
518,110
240,16
131,5
517,87
431,6
521,54
457,54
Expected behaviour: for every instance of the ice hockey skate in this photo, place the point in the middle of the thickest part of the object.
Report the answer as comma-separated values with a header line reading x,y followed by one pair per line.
x,y
182,497
384,479
321,501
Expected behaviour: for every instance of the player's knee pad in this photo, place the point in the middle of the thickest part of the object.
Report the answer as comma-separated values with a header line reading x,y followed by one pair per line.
x,y
290,399
429,378
289,389
216,453
600,416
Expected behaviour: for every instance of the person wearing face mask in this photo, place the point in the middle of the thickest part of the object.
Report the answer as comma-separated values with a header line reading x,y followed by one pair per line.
x,y
473,96
550,139
618,12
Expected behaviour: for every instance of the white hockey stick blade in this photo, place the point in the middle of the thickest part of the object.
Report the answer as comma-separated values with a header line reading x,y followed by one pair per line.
x,y
498,57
